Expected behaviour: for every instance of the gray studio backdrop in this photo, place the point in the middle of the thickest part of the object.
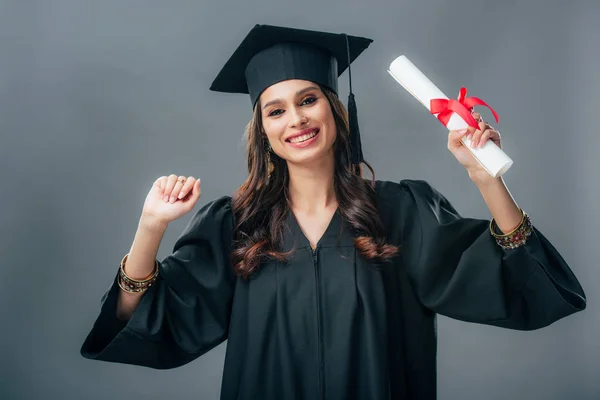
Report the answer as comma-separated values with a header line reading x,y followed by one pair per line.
x,y
99,98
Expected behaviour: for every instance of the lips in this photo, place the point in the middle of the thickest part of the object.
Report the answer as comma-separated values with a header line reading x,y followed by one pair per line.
x,y
302,133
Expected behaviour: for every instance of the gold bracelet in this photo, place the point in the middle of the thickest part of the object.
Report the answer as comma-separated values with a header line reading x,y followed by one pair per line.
x,y
131,285
131,289
516,238
497,235
148,278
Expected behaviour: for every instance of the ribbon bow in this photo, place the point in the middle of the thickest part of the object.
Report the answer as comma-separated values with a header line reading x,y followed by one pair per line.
x,y
463,107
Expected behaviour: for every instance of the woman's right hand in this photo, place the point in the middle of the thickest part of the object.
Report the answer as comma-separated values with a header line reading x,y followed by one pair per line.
x,y
170,198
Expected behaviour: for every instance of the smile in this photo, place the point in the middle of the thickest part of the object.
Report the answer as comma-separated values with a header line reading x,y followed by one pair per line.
x,y
304,137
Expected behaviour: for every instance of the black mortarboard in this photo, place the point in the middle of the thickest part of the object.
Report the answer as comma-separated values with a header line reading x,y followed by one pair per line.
x,y
271,54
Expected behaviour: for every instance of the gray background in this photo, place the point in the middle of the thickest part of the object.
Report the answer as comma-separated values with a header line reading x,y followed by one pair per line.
x,y
99,98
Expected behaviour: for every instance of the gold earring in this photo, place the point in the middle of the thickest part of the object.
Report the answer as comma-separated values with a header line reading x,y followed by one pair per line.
x,y
270,166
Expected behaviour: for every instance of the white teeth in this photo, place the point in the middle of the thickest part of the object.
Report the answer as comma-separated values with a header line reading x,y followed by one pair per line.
x,y
303,138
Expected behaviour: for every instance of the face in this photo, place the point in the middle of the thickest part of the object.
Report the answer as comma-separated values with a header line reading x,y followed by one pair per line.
x,y
298,121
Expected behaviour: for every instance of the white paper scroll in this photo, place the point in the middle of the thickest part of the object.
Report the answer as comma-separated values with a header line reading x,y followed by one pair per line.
x,y
490,156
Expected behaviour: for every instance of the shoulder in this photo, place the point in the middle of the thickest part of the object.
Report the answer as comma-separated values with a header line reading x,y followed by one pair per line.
x,y
412,197
219,207
216,214
406,190
410,206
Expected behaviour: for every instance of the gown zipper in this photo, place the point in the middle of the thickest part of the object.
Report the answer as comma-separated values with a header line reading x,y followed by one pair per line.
x,y
319,324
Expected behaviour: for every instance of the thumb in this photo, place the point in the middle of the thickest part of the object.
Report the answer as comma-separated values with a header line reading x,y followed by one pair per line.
x,y
457,135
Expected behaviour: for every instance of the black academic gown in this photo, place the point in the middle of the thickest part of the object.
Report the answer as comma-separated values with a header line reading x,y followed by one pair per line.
x,y
327,324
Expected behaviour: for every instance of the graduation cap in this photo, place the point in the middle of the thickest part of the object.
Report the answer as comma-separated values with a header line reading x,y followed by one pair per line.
x,y
271,54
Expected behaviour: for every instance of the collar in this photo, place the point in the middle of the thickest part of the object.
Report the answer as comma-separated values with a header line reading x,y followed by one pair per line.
x,y
337,234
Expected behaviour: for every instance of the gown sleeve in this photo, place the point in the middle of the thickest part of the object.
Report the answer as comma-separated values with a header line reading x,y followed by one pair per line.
x,y
458,270
186,312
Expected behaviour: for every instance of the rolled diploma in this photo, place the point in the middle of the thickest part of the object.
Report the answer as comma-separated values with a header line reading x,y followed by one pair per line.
x,y
490,156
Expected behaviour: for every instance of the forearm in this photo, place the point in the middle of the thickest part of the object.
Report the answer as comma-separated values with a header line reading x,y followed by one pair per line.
x,y
140,262
502,206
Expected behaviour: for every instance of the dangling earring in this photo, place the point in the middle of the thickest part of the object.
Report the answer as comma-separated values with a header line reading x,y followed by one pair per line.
x,y
270,166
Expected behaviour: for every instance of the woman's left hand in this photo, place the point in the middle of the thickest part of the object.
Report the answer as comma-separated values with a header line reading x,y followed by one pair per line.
x,y
478,138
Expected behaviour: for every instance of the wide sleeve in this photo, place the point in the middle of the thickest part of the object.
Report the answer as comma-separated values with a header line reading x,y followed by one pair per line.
x,y
458,270
186,312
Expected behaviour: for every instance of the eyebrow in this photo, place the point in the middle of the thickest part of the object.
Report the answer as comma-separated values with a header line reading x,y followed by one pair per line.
x,y
298,93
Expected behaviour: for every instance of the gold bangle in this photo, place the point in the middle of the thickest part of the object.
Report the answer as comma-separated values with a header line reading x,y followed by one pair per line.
x,y
497,235
131,285
127,289
130,288
145,280
517,237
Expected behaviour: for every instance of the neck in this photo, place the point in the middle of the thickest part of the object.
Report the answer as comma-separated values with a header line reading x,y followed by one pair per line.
x,y
311,189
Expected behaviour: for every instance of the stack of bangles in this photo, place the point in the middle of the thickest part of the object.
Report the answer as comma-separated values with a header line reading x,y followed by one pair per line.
x,y
517,237
131,285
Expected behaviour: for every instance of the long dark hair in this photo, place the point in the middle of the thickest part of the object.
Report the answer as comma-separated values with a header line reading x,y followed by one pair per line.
x,y
261,204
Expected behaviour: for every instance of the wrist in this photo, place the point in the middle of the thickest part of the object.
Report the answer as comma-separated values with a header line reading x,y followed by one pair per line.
x,y
152,224
483,180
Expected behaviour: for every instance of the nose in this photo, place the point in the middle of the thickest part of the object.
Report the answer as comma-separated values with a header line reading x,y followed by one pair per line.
x,y
297,118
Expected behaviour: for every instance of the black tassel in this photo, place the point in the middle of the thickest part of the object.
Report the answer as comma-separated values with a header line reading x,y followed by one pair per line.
x,y
356,155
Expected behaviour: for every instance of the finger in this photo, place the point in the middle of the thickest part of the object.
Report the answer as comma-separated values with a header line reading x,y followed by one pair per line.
x,y
475,138
495,137
177,188
484,137
160,184
194,194
196,191
185,189
477,133
477,116
171,181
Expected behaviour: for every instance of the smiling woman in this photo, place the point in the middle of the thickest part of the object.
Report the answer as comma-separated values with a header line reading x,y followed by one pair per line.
x,y
294,120
326,285
302,129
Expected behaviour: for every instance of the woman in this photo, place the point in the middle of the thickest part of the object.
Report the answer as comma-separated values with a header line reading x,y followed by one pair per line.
x,y
325,285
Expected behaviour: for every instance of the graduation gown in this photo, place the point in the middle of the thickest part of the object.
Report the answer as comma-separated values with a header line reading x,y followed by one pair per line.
x,y
327,324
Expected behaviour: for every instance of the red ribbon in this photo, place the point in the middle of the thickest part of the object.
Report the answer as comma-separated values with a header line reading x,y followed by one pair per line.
x,y
463,107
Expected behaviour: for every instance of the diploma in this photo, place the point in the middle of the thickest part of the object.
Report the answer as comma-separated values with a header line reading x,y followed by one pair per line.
x,y
490,156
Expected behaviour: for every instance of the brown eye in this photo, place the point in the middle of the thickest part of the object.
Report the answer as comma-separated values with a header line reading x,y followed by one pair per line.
x,y
275,113
309,100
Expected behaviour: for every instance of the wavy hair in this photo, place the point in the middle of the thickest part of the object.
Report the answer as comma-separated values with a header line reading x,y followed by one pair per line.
x,y
261,204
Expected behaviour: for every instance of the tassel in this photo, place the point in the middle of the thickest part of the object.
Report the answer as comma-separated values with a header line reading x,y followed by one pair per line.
x,y
356,155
